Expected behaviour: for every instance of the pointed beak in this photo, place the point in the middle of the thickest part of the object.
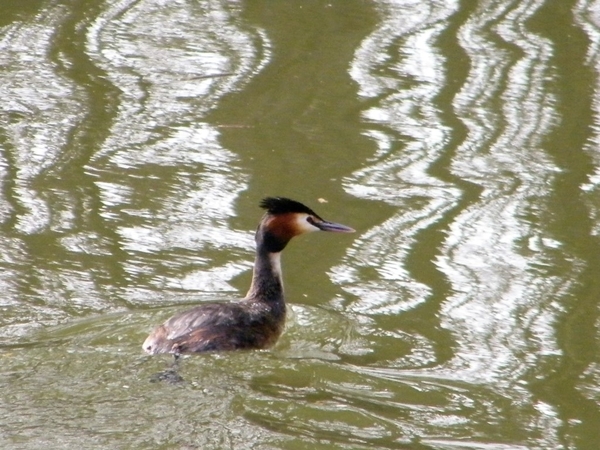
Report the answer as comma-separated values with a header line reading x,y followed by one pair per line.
x,y
334,227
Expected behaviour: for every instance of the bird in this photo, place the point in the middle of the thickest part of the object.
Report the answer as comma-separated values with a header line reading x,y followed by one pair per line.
x,y
257,320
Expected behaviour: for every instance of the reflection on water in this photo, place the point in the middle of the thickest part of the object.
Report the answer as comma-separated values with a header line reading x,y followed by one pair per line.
x,y
496,251
587,16
413,140
167,81
449,323
38,112
155,148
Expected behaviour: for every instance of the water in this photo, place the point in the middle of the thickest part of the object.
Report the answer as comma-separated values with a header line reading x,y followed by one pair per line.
x,y
458,138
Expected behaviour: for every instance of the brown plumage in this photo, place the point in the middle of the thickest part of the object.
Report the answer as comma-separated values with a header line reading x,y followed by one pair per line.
x,y
258,319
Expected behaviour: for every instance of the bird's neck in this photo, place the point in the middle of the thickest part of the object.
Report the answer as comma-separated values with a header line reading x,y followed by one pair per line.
x,y
267,284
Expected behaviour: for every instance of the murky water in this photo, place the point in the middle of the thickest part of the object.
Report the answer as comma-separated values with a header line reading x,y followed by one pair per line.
x,y
460,140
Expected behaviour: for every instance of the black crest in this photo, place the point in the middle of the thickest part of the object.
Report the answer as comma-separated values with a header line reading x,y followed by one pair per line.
x,y
281,205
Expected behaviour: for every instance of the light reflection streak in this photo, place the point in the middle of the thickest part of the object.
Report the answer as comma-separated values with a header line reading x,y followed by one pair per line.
x,y
486,255
587,16
168,79
40,111
398,176
500,309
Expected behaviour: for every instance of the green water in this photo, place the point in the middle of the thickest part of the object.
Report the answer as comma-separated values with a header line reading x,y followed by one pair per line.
x,y
458,138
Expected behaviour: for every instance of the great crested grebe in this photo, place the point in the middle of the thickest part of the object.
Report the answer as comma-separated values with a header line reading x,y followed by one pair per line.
x,y
257,320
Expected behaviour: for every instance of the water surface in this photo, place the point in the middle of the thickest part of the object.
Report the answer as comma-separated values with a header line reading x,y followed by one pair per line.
x,y
459,139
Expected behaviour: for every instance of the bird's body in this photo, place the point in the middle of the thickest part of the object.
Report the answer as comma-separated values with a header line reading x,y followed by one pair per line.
x,y
256,321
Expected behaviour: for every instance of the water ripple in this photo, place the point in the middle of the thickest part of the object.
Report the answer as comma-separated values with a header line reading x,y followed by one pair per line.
x,y
498,255
587,16
40,111
403,46
167,79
